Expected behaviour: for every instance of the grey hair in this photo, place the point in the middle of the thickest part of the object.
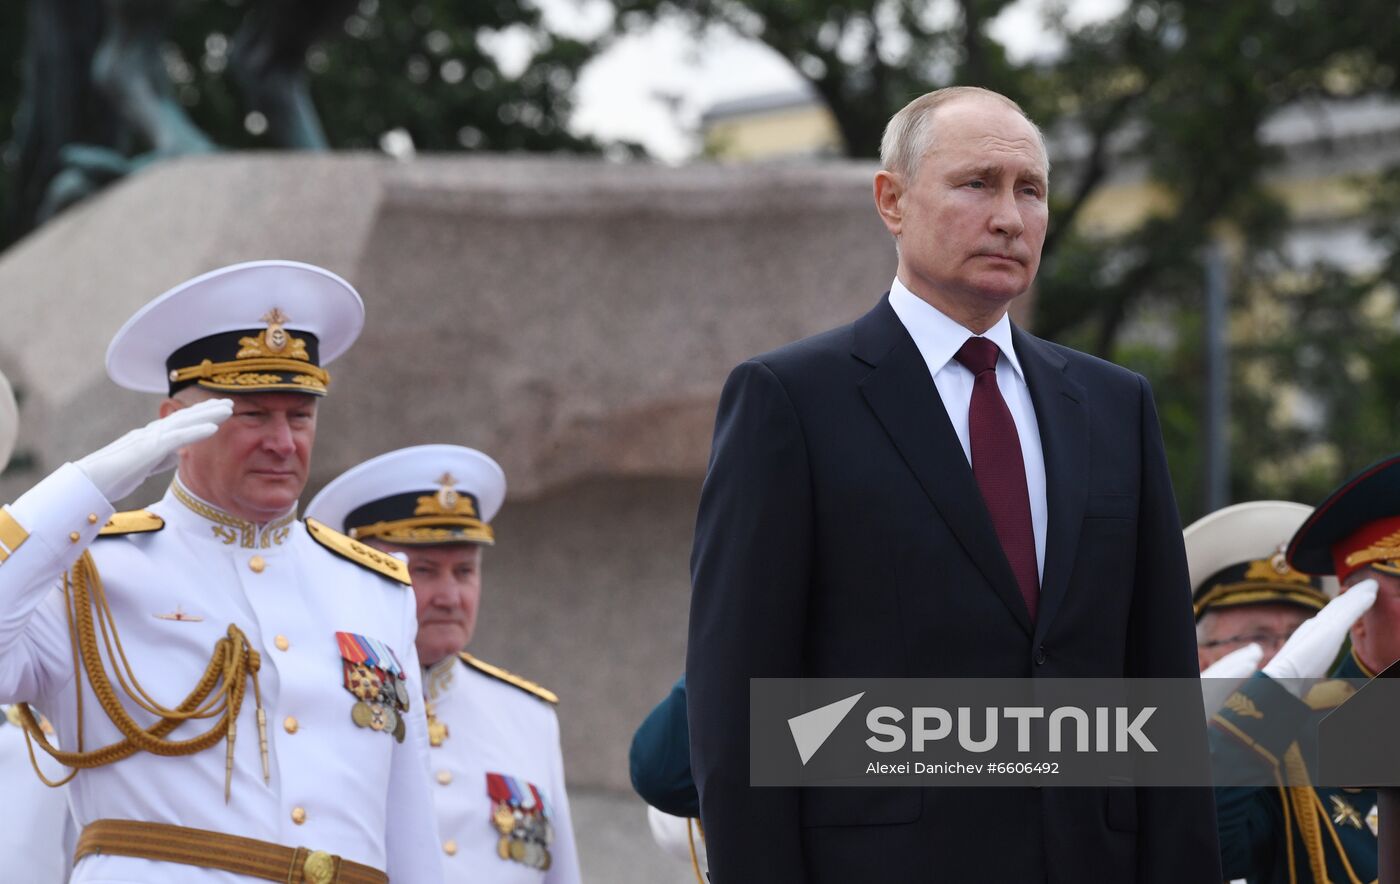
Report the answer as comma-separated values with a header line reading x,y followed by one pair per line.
x,y
193,394
909,134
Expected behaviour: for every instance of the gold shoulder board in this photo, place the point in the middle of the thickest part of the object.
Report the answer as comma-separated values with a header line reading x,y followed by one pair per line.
x,y
133,522
1329,694
509,678
364,556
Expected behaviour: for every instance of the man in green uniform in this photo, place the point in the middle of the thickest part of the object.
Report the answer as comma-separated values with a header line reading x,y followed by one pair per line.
x,y
1295,831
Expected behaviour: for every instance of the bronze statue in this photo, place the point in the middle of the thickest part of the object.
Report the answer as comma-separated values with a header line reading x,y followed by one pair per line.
x,y
98,102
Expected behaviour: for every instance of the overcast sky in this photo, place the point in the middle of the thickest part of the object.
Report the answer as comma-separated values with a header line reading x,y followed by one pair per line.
x,y
653,87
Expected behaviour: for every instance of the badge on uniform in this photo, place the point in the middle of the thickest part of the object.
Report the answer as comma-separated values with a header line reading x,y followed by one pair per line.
x,y
378,682
522,819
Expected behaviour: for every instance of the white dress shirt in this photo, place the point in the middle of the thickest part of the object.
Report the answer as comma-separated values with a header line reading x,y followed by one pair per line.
x,y
347,790
939,339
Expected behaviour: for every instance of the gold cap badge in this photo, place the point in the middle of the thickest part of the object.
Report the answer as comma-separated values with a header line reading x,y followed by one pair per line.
x,y
274,341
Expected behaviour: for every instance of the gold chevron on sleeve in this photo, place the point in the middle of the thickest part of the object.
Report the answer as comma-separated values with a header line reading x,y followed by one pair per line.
x,y
12,534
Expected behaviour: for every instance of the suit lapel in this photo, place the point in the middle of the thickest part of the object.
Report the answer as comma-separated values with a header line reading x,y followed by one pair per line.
x,y
901,393
1061,411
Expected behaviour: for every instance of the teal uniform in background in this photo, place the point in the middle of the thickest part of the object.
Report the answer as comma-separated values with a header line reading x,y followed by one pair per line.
x,y
1282,834
660,757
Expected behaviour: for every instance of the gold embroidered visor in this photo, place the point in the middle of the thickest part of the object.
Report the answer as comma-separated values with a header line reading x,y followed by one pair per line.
x,y
422,518
1259,582
271,359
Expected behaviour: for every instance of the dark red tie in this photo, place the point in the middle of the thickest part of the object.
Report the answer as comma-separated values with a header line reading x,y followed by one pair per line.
x,y
998,467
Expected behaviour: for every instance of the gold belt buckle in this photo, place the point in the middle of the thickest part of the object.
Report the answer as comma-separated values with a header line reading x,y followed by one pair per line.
x,y
318,868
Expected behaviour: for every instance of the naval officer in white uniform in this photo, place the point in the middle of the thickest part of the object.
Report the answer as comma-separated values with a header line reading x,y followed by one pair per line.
x,y
497,771
243,697
38,833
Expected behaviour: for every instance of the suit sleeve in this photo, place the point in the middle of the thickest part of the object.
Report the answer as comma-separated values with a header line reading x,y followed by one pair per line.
x,y
750,571
411,843
1176,826
660,757
44,532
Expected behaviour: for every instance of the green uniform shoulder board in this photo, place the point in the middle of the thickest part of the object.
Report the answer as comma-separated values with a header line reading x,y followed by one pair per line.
x,y
1328,694
364,556
509,678
132,522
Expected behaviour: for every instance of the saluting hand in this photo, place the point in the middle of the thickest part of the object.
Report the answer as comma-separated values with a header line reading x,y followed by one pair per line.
x,y
120,467
1313,646
1219,679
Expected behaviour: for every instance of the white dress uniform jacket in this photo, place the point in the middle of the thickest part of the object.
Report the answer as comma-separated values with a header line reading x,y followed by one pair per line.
x,y
494,727
335,787
38,836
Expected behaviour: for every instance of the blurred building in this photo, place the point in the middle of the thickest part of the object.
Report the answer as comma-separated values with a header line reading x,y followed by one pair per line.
x,y
1329,150
772,126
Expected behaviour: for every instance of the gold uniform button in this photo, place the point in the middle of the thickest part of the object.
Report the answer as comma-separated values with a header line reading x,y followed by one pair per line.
x,y
92,518
444,777
449,847
281,643
73,536
257,563
298,815
290,724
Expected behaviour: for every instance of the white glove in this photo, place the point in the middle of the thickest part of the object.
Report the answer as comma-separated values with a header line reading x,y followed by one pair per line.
x,y
1219,679
675,834
117,469
1314,645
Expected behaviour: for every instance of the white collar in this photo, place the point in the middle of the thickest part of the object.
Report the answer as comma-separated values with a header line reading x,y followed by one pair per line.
x,y
183,508
938,337
437,679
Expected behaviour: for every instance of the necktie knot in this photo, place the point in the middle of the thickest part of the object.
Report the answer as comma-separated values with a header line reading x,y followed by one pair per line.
x,y
978,354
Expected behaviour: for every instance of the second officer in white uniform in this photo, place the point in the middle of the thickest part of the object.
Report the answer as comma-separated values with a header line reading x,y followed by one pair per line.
x,y
38,835
242,696
497,772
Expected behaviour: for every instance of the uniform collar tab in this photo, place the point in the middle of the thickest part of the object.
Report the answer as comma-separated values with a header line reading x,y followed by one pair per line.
x,y
437,679
224,527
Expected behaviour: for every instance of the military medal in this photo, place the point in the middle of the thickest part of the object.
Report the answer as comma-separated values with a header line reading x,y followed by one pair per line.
x,y
374,676
437,731
1344,814
521,819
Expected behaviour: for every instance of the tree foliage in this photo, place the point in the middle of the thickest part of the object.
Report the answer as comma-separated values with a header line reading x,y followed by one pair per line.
x,y
421,66
478,76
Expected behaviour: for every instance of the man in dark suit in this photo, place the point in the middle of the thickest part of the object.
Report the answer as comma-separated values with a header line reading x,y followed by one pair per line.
x,y
931,491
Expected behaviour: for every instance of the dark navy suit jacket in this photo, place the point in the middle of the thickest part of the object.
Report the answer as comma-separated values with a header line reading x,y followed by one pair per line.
x,y
841,533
